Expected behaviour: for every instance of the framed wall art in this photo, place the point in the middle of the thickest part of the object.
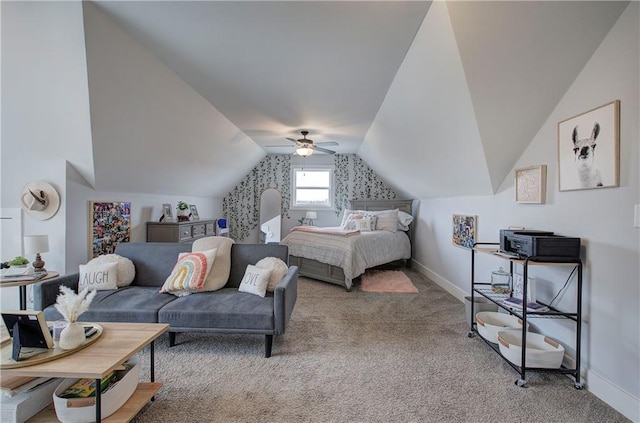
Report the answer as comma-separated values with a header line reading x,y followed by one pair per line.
x,y
194,212
580,164
531,184
465,229
167,213
110,225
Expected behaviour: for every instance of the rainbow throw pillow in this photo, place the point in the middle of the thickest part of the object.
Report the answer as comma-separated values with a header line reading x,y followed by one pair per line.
x,y
189,273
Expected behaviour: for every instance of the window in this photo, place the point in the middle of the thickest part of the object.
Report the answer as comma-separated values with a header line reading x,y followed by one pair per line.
x,y
312,187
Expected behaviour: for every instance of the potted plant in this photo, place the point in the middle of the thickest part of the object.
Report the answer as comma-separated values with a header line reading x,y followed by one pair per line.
x,y
18,261
183,211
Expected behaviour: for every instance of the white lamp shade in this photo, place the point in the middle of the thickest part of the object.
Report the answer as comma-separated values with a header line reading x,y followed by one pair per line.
x,y
36,244
312,215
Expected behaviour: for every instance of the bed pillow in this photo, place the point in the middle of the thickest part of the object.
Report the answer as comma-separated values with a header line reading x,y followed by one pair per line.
x,y
345,217
255,280
221,269
278,269
98,276
126,269
387,220
404,220
367,224
189,273
351,222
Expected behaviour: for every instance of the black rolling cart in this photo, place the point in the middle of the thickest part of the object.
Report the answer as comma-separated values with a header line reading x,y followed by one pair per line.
x,y
483,289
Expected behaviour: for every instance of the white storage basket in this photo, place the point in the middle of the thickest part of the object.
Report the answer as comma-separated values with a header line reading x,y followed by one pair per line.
x,y
83,410
542,352
491,322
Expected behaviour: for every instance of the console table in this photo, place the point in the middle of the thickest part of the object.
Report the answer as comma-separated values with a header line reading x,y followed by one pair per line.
x,y
184,232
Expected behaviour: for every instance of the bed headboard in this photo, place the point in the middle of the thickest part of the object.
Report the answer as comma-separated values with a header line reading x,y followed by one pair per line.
x,y
376,205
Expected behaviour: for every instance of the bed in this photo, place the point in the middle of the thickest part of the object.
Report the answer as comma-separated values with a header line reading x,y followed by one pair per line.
x,y
339,259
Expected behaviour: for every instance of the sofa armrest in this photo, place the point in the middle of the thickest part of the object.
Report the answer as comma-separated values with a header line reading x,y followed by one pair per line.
x,y
284,298
45,293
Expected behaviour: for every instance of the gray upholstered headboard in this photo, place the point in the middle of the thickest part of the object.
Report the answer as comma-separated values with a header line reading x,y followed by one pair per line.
x,y
376,205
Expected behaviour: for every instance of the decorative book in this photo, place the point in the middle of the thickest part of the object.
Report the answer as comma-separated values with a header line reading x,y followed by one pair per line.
x,y
517,303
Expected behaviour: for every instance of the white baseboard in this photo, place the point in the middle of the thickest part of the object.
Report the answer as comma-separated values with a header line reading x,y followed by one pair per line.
x,y
440,281
620,400
617,398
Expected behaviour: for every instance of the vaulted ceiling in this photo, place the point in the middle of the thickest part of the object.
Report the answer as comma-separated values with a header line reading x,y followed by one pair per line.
x,y
419,90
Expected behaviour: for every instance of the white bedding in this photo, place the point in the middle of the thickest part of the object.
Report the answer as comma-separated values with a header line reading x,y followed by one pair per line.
x,y
354,254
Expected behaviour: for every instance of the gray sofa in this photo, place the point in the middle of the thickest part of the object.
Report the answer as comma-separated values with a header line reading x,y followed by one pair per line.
x,y
226,310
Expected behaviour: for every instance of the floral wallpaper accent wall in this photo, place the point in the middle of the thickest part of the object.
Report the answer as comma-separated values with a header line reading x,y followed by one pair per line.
x,y
354,180
242,205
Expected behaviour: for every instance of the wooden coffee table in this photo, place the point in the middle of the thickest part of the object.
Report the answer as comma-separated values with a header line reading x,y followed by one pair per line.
x,y
118,343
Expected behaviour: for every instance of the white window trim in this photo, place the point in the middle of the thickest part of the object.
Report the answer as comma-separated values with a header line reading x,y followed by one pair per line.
x,y
332,187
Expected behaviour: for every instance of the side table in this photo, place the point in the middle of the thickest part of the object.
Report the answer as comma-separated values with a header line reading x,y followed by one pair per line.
x,y
8,282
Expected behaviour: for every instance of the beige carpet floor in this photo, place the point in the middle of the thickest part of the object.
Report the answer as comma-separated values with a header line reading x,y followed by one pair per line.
x,y
359,357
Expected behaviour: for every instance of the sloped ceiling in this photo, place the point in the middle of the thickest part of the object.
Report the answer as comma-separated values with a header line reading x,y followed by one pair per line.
x,y
440,99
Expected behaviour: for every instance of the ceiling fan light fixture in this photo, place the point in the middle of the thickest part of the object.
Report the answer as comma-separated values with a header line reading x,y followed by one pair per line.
x,y
304,151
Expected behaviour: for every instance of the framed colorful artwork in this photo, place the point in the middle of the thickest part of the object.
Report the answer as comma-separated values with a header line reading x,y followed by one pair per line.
x,y
580,164
110,225
465,228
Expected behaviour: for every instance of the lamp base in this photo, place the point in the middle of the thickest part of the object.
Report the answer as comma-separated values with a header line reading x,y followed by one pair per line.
x,y
38,264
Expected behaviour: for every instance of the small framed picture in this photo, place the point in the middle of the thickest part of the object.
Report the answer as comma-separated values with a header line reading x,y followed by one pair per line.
x,y
465,229
194,212
32,326
167,213
531,184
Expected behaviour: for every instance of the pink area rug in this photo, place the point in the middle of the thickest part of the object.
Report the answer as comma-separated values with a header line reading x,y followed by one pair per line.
x,y
387,281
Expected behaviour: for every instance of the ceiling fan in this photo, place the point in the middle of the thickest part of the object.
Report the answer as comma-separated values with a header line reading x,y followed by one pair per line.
x,y
305,147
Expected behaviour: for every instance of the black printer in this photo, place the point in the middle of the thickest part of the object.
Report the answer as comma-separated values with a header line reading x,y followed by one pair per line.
x,y
529,243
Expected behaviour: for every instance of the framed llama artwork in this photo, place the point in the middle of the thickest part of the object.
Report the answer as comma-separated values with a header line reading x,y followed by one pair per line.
x,y
589,149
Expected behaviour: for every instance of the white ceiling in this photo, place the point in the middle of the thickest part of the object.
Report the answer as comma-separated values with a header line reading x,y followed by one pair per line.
x,y
275,68
420,91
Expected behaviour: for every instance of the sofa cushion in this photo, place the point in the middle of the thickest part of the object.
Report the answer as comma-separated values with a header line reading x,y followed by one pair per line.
x,y
243,255
255,280
278,270
225,309
222,266
127,304
98,276
189,273
126,269
153,262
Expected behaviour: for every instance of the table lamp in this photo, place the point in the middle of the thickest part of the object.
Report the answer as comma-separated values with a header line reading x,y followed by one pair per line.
x,y
311,216
36,244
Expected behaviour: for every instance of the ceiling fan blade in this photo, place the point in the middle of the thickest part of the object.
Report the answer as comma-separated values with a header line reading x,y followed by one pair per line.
x,y
324,150
292,140
327,143
280,146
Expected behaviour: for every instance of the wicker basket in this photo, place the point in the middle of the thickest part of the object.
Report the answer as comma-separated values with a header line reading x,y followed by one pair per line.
x,y
490,323
542,352
80,410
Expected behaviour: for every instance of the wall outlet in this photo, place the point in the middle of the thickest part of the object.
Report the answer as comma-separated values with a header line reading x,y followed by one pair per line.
x,y
636,216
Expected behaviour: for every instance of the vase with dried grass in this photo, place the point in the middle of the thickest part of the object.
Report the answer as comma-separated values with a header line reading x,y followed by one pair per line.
x,y
71,306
